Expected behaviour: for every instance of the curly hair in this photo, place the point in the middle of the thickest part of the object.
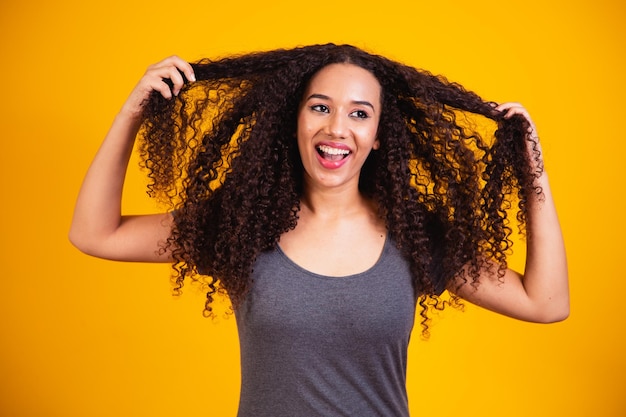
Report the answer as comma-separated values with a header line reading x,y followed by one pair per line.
x,y
225,158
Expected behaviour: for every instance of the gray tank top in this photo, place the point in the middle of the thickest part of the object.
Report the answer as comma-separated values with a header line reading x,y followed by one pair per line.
x,y
313,345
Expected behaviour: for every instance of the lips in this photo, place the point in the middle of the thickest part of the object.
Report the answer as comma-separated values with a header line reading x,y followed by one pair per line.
x,y
331,153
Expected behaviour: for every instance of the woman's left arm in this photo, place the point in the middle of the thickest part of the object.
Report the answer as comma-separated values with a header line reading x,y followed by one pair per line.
x,y
542,293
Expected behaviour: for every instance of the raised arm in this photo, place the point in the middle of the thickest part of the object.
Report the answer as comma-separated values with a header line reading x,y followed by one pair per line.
x,y
541,294
98,227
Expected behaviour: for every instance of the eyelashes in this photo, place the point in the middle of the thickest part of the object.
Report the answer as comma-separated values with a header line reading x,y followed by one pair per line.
x,y
360,114
322,108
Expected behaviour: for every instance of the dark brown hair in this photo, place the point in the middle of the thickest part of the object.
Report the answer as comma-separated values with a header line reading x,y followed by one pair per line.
x,y
224,155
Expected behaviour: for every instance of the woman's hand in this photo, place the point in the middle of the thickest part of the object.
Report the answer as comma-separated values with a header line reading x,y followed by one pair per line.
x,y
533,146
512,108
156,78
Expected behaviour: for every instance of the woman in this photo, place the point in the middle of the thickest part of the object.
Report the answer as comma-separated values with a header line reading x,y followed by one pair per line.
x,y
327,191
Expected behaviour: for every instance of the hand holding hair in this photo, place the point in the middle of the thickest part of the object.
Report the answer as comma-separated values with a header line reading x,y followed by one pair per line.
x,y
167,77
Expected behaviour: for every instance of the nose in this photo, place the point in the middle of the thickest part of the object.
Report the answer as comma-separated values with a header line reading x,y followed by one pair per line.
x,y
337,126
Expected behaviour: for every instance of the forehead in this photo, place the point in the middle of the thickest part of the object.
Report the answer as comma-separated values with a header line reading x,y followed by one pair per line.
x,y
345,80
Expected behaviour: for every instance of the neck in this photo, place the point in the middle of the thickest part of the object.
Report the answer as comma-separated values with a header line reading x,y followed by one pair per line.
x,y
335,202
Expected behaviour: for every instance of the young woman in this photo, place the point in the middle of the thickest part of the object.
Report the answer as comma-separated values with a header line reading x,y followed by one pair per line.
x,y
328,192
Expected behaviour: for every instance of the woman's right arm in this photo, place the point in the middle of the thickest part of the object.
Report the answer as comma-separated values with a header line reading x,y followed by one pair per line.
x,y
98,227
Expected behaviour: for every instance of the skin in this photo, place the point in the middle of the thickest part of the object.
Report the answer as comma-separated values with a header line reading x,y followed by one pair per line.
x,y
340,109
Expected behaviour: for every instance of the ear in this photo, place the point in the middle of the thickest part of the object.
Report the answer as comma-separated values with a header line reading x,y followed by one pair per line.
x,y
376,145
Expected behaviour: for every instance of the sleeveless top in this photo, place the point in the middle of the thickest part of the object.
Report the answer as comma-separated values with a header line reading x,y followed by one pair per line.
x,y
313,345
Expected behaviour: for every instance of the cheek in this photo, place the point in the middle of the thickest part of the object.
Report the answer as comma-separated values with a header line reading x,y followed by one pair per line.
x,y
305,131
369,134
302,125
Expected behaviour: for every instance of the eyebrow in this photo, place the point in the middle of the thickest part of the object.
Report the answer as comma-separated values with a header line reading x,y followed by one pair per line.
x,y
325,97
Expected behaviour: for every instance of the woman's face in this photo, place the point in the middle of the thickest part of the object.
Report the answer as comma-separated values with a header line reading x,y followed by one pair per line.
x,y
337,125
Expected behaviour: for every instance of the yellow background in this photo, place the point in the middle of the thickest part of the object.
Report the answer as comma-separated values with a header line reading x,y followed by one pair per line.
x,y
85,337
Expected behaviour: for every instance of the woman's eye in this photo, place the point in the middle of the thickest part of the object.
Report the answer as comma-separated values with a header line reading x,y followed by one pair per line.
x,y
320,108
360,114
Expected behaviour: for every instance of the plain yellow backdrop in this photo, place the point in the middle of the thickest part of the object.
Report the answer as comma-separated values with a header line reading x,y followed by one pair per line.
x,y
85,337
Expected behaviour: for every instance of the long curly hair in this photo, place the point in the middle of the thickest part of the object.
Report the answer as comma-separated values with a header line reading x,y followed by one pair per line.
x,y
225,158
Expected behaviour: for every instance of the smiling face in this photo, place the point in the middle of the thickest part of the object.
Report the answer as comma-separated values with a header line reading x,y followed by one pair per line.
x,y
337,125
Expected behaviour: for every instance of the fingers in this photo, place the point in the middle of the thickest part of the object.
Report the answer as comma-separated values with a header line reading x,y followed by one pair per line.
x,y
512,108
169,76
533,145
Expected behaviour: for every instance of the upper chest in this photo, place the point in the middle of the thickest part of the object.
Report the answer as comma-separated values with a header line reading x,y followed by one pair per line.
x,y
335,248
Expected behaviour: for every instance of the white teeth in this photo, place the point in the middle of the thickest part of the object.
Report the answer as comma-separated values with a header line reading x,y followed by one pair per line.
x,y
333,151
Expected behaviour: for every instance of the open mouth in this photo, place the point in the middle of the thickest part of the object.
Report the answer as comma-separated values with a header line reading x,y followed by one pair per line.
x,y
332,154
